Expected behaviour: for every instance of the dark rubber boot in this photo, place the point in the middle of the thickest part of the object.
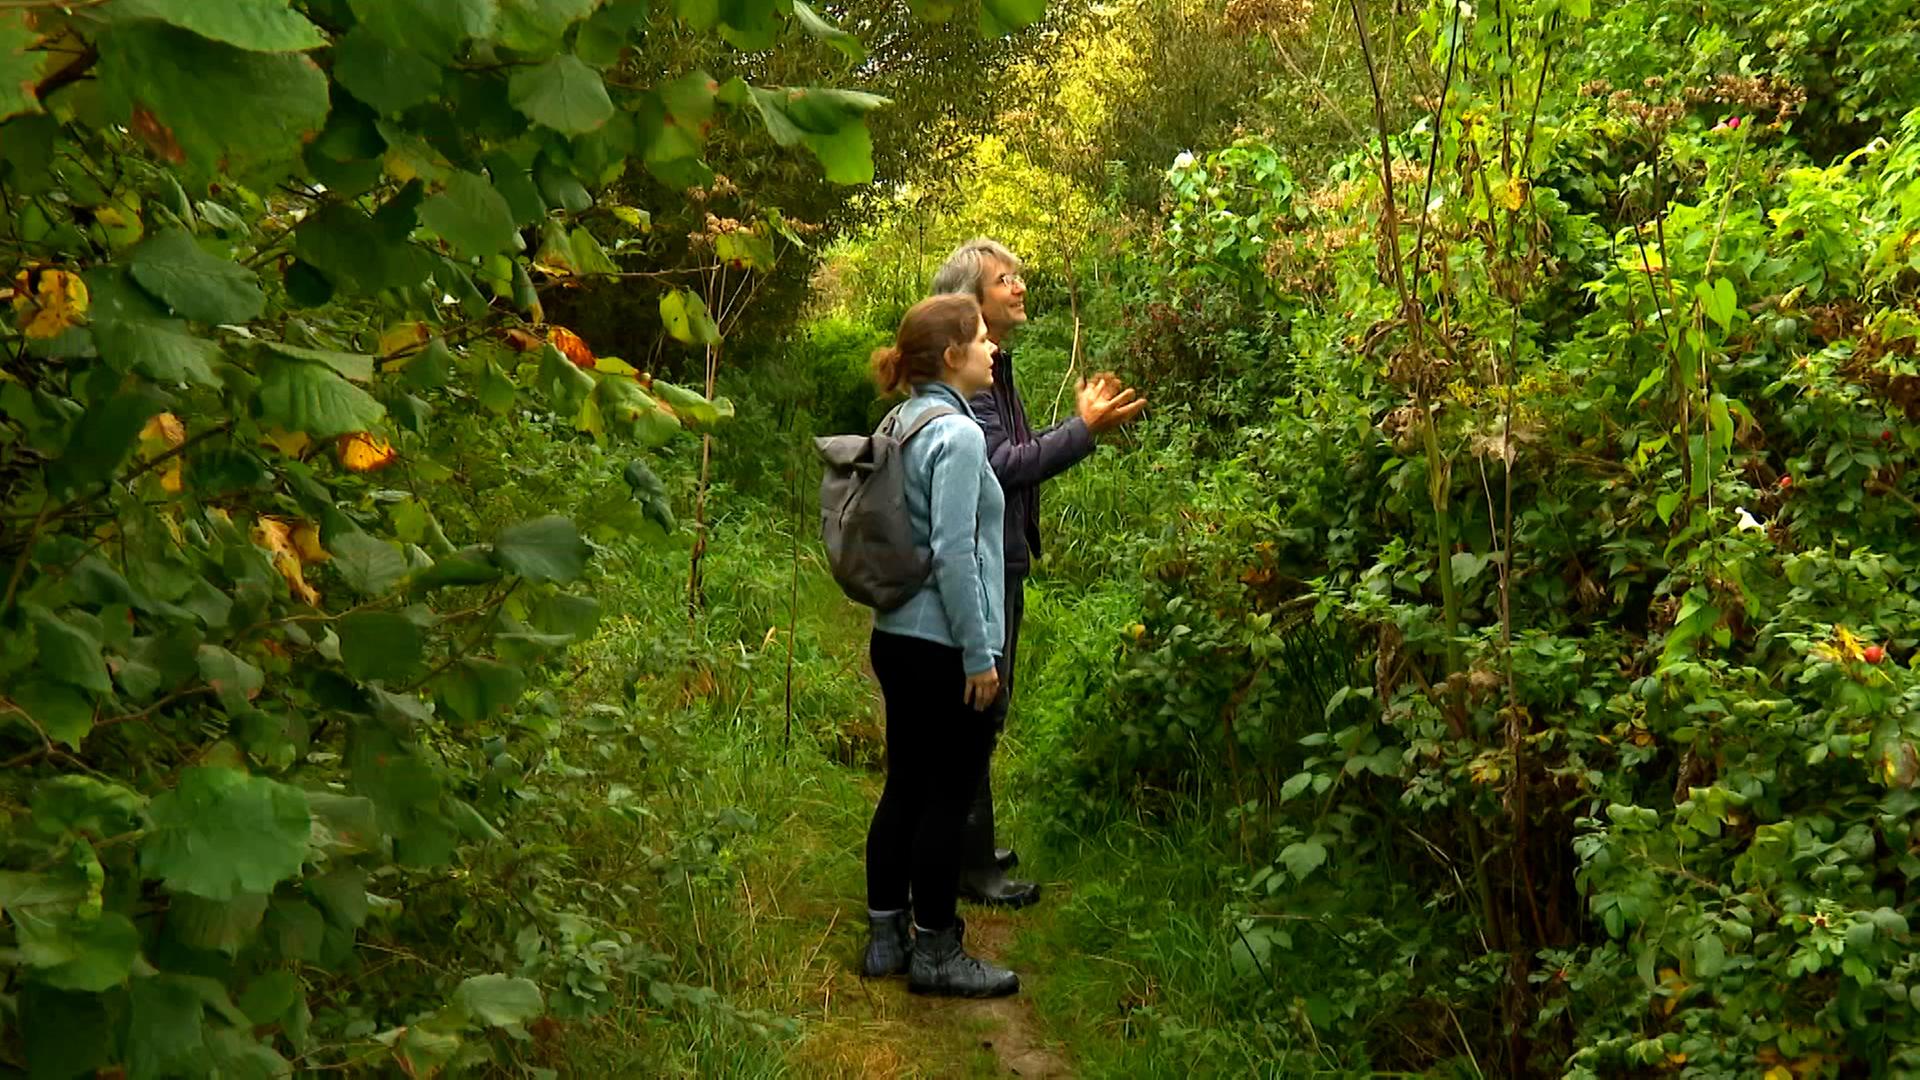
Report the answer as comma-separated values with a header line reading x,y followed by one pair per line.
x,y
889,945
983,867
941,966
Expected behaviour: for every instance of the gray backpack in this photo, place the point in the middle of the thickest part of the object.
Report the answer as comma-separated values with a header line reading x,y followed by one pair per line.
x,y
863,513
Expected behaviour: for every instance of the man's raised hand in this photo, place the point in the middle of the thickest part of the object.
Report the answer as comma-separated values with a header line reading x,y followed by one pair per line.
x,y
1104,405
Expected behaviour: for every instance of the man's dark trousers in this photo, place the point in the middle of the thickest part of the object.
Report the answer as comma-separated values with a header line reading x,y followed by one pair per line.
x,y
977,860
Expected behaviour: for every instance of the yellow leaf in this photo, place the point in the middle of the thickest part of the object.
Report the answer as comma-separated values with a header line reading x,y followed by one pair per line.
x,y
1846,644
48,302
164,431
306,541
1778,1072
274,535
291,443
171,477
613,365
1515,194
363,451
404,339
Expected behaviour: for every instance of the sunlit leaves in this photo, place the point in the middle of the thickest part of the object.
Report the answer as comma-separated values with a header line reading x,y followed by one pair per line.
x,y
48,303
685,316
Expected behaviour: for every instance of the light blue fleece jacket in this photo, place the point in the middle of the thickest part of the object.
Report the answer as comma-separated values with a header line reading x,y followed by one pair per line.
x,y
957,510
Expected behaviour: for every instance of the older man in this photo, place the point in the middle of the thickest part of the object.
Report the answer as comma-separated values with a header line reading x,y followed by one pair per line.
x,y
1022,458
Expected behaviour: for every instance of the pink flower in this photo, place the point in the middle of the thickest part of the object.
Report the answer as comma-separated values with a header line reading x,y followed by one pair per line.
x,y
1732,122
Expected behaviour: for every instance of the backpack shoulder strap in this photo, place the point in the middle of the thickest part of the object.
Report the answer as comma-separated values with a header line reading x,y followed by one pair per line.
x,y
926,418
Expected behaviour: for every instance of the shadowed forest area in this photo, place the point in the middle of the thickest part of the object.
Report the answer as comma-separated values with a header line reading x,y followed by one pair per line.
x,y
1491,655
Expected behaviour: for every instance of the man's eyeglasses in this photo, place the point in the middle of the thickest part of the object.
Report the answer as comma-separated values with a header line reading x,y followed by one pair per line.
x,y
1010,279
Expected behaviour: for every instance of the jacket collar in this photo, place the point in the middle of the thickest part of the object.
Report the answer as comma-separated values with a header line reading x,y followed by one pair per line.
x,y
945,394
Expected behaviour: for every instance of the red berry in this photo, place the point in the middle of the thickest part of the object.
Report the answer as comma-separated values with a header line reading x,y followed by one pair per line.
x,y
1886,434
1873,654
1786,482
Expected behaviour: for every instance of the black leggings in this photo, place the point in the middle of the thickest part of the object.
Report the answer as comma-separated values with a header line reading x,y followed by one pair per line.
x,y
937,751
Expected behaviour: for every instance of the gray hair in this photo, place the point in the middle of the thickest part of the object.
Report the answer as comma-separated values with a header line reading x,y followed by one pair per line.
x,y
965,270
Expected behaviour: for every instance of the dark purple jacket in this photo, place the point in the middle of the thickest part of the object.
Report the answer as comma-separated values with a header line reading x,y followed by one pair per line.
x,y
1022,459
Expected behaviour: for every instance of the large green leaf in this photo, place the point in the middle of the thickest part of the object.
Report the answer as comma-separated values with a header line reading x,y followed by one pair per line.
x,y
830,123
222,833
223,925
499,1000
370,566
21,68
234,681
474,690
104,437
62,712
562,93
350,248
183,92
537,26
811,21
471,216
544,549
999,18
135,334
313,398
437,28
74,953
67,652
685,316
379,645
389,78
259,25
165,1029
193,283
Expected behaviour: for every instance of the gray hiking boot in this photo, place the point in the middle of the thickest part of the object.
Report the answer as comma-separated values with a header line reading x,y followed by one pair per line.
x,y
941,966
888,944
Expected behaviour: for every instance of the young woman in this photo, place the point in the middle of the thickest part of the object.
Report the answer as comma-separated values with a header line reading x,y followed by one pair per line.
x,y
935,657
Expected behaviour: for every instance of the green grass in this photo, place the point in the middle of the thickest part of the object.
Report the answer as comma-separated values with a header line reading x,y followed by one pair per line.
x,y
738,857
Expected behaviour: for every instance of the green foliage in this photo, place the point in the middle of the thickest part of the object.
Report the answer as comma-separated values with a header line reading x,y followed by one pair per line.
x,y
299,527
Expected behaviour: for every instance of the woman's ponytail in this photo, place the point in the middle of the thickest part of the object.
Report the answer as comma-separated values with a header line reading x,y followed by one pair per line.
x,y
887,364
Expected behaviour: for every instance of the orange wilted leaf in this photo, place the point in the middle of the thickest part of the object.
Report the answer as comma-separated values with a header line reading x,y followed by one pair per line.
x,y
274,535
48,302
363,451
571,346
520,340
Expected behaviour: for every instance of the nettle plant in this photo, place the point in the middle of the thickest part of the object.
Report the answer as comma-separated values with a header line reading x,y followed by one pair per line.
x,y
268,614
